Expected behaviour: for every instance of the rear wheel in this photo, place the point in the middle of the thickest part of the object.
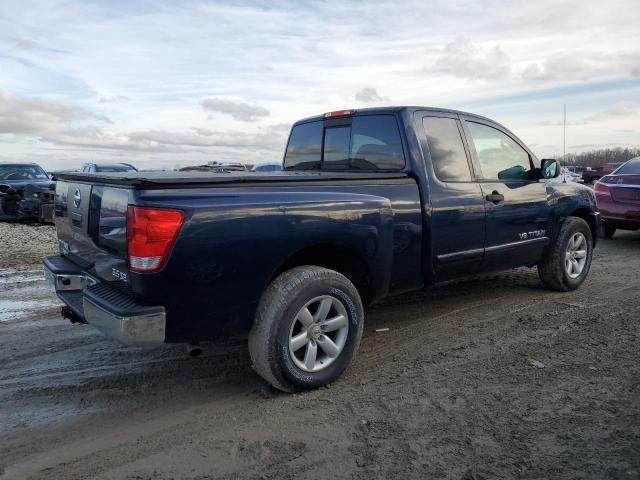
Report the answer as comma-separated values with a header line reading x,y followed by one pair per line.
x,y
307,329
609,230
569,261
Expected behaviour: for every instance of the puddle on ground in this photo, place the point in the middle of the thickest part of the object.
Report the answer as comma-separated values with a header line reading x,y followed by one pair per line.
x,y
17,309
20,275
23,293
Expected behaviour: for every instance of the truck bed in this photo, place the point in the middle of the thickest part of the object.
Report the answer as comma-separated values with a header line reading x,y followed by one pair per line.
x,y
150,180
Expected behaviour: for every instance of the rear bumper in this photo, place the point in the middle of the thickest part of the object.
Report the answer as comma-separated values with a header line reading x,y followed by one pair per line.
x,y
620,213
105,305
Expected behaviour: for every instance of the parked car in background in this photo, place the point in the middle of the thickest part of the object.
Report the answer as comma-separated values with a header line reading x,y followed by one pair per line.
x,y
267,167
216,167
565,176
618,197
26,193
575,171
592,175
370,203
108,167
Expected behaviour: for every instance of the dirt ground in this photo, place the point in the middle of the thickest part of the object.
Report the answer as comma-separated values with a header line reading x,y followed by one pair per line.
x,y
490,378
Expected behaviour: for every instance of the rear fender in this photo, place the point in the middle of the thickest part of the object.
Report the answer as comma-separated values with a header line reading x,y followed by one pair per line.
x,y
235,241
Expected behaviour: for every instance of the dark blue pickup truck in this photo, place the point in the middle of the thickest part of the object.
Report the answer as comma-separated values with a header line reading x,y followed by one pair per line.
x,y
370,203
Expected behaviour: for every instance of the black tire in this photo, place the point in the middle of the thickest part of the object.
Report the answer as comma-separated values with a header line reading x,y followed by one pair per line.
x,y
552,270
608,231
277,311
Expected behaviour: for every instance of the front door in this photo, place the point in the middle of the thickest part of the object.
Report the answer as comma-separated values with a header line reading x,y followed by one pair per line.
x,y
517,211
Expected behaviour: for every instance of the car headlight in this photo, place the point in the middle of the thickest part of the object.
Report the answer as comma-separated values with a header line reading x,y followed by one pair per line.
x,y
36,195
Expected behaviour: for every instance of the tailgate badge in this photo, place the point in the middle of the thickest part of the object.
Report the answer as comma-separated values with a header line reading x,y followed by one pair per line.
x,y
77,198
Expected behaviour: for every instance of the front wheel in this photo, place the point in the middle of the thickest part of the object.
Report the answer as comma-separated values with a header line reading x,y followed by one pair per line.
x,y
307,329
569,260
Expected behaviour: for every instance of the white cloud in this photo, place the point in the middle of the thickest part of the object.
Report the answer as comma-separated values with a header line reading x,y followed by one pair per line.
x,y
370,95
625,112
584,65
197,143
238,110
113,99
28,116
462,58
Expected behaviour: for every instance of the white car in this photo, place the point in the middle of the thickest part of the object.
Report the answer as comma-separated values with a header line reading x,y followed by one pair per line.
x,y
565,177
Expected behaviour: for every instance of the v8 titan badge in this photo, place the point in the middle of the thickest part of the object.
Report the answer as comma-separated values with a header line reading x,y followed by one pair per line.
x,y
532,234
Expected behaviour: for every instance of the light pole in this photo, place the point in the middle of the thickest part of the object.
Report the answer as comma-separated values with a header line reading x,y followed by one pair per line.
x,y
564,133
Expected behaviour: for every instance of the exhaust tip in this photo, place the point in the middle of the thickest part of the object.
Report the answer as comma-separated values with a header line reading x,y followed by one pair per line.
x,y
194,349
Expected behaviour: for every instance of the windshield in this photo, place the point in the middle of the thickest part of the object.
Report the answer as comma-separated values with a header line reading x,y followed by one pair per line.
x,y
22,172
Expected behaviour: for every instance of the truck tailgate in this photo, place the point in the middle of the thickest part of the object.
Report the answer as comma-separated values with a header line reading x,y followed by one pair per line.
x,y
91,224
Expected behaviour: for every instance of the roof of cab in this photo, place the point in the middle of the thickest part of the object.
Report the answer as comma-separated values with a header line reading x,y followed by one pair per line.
x,y
394,109
108,164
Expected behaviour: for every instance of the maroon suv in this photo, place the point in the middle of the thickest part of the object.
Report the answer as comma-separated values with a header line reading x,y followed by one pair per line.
x,y
618,197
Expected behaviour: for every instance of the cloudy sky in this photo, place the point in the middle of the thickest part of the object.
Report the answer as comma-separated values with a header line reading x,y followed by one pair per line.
x,y
161,84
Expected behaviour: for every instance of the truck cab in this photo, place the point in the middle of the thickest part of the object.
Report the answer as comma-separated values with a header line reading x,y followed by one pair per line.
x,y
485,204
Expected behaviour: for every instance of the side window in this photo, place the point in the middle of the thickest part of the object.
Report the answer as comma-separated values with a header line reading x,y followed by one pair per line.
x,y
336,148
376,143
448,156
500,157
304,150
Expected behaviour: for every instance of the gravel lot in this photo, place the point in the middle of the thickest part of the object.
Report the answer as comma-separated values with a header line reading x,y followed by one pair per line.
x,y
490,378
22,291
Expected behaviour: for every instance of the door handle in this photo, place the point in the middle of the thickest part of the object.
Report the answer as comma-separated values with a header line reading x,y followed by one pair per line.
x,y
495,197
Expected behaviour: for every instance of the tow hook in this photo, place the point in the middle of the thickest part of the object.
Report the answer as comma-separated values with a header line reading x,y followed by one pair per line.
x,y
70,315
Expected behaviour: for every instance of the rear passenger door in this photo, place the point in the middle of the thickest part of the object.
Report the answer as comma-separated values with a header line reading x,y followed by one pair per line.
x,y
457,216
517,211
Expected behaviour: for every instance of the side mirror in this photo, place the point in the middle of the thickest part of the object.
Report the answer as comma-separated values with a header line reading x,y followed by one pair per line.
x,y
549,168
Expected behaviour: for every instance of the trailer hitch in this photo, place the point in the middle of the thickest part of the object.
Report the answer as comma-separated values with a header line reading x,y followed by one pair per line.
x,y
70,315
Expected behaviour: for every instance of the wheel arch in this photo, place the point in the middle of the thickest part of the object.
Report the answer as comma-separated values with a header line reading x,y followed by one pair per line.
x,y
343,260
591,219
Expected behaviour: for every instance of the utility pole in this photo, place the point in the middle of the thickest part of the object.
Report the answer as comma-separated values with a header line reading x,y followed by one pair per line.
x,y
564,134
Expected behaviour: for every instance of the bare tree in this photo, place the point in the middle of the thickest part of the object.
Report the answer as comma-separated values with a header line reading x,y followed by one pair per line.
x,y
595,158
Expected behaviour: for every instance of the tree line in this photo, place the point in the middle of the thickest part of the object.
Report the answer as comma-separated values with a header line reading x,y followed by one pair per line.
x,y
595,158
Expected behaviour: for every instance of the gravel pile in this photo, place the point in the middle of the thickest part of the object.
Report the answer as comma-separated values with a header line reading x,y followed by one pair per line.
x,y
22,244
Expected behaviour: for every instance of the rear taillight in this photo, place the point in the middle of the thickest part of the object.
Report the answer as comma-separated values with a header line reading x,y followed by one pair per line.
x,y
150,234
602,189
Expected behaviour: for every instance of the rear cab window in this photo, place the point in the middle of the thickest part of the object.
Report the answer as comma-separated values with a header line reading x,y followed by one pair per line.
x,y
367,142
